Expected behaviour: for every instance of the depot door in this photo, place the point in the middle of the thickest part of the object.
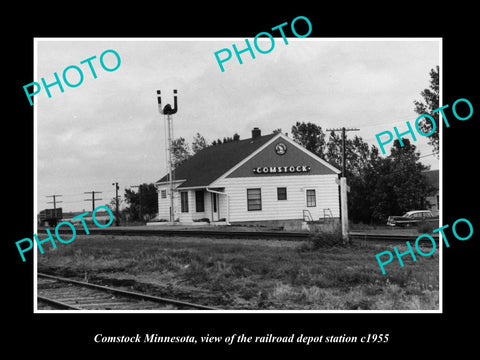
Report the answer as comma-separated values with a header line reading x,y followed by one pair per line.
x,y
215,216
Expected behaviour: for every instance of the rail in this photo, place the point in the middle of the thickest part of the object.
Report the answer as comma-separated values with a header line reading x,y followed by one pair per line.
x,y
80,301
272,235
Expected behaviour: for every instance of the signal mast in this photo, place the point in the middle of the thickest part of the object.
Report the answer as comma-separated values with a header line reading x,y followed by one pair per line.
x,y
168,111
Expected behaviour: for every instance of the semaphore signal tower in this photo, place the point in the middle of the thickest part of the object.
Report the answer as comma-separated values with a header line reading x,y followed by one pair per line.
x,y
167,110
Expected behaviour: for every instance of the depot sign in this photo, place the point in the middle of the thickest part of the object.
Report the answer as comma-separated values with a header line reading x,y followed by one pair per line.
x,y
281,169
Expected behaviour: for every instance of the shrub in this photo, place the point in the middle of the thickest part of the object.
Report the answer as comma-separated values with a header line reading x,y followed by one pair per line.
x,y
425,227
207,220
322,239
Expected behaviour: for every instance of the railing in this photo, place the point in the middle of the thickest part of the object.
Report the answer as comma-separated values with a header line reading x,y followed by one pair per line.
x,y
307,216
327,214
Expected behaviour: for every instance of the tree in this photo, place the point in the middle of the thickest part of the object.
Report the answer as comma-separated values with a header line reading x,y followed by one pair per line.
x,y
198,143
430,102
360,158
112,205
357,153
310,136
366,202
379,197
227,139
396,184
380,187
409,183
333,152
180,151
142,204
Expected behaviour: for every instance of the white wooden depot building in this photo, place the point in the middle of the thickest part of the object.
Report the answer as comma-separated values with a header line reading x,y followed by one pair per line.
x,y
264,179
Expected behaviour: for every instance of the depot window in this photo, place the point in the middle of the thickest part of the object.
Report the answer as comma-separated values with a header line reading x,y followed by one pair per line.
x,y
311,198
184,201
164,194
254,199
199,201
282,193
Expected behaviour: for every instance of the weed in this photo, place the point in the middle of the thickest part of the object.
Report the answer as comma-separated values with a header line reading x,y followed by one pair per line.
x,y
259,274
321,239
425,227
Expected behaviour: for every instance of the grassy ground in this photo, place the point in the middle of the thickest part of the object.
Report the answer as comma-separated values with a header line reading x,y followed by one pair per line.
x,y
251,274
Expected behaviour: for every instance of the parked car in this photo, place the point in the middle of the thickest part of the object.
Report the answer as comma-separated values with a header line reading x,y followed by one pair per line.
x,y
412,218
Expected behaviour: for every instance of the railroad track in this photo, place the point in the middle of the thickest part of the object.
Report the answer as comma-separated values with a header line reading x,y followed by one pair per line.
x,y
54,292
273,235
385,237
197,233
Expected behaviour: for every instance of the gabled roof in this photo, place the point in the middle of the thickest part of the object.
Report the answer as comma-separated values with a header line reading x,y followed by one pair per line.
x,y
212,162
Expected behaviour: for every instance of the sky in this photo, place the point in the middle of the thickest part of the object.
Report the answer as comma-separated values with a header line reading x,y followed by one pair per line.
x,y
109,129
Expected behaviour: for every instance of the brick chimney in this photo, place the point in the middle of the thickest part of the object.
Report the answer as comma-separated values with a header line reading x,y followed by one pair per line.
x,y
256,132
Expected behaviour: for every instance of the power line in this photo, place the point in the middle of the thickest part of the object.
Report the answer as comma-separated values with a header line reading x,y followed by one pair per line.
x,y
93,198
54,202
427,155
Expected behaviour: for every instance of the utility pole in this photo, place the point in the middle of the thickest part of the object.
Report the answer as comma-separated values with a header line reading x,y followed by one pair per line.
x,y
54,202
343,184
167,110
344,157
93,198
116,204
54,205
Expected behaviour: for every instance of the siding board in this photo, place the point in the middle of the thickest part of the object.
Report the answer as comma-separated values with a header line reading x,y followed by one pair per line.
x,y
326,191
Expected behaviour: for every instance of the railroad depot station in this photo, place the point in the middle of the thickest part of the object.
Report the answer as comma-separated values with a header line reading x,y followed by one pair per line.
x,y
268,180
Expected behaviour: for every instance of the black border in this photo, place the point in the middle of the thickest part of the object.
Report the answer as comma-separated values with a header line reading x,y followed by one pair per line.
x,y
409,333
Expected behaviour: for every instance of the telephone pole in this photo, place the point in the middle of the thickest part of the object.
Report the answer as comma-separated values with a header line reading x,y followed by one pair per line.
x,y
116,204
54,202
343,184
344,157
93,198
